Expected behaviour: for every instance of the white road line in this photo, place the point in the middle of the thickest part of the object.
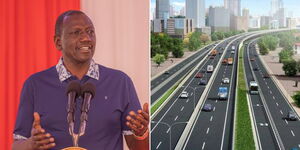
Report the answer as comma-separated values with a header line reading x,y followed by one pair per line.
x,y
273,97
268,87
192,94
207,130
299,145
292,133
270,92
168,130
175,118
182,108
277,104
216,101
281,112
286,121
214,108
187,100
211,118
203,145
158,145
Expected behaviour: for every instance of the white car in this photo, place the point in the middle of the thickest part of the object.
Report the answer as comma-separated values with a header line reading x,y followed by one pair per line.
x,y
225,80
232,52
184,94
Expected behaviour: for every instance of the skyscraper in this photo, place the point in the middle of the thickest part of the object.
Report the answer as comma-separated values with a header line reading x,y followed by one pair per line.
x,y
162,9
195,9
278,12
234,7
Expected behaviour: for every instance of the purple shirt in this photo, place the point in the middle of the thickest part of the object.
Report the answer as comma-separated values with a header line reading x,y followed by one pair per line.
x,y
45,93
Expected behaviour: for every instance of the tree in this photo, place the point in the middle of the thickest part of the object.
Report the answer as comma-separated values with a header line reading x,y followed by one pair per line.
x,y
286,40
271,42
220,35
262,47
214,37
158,59
289,67
204,38
177,50
194,41
296,98
285,54
298,65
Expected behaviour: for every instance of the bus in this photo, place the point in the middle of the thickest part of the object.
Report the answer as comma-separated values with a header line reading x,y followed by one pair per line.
x,y
253,87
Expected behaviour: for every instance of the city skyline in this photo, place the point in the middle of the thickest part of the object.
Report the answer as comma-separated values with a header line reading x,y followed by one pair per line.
x,y
290,5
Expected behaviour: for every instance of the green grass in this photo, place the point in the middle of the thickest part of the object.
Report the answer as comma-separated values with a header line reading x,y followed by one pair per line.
x,y
163,98
243,131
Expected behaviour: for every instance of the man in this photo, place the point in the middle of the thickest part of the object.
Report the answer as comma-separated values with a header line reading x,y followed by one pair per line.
x,y
115,109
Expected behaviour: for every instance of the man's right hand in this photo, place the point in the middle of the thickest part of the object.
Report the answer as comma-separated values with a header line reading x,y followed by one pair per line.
x,y
40,140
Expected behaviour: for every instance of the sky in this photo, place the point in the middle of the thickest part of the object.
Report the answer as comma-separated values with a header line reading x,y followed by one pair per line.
x,y
256,7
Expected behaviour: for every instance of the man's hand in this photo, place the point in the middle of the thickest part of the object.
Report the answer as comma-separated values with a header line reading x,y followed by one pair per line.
x,y
139,122
40,140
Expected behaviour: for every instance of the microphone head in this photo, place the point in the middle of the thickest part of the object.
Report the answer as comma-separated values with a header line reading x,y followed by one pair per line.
x,y
74,86
88,88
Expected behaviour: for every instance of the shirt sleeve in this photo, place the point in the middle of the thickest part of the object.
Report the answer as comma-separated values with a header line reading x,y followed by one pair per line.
x,y
25,112
133,104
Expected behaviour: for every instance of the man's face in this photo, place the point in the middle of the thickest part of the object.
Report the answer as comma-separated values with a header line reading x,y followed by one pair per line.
x,y
78,39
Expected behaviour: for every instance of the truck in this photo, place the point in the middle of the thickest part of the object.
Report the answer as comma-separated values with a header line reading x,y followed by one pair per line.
x,y
229,61
210,68
233,47
223,93
214,52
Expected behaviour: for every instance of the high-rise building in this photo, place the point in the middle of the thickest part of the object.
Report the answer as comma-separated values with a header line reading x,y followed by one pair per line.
x,y
195,9
265,21
182,11
240,22
179,27
219,19
172,11
162,9
234,7
278,12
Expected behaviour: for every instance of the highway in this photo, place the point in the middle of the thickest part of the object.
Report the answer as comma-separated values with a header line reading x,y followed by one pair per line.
x,y
165,81
174,116
270,107
212,130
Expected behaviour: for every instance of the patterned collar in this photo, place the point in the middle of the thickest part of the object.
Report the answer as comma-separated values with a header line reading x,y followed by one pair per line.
x,y
64,74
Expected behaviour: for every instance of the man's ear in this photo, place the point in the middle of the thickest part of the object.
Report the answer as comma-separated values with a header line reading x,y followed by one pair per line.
x,y
57,42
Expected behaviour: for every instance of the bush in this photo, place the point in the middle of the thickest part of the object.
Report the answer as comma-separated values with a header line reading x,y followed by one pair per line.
x,y
158,59
296,98
289,67
262,47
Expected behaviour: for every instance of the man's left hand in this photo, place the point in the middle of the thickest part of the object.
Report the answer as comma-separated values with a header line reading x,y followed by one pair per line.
x,y
138,122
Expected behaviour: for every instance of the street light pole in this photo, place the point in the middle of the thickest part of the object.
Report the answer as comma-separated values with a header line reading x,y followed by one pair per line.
x,y
170,127
194,89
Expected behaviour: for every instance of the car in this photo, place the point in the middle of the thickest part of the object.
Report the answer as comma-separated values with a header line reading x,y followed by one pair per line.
x,y
255,68
225,80
207,107
211,57
203,81
252,59
199,75
266,75
220,52
184,94
232,52
291,116
224,61
167,72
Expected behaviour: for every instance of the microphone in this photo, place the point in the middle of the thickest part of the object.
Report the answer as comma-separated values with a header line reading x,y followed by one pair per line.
x,y
88,92
73,91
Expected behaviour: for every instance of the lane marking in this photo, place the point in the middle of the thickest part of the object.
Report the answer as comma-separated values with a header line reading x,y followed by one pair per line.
x,y
273,97
207,130
281,112
168,130
270,92
191,94
175,118
276,103
292,133
211,118
268,87
158,145
187,100
286,121
203,145
182,108
216,101
214,108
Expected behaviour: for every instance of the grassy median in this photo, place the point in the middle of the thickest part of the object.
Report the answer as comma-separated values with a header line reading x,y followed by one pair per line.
x,y
243,130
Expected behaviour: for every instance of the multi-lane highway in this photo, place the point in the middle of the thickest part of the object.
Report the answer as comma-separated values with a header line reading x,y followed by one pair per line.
x,y
172,119
270,107
180,123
